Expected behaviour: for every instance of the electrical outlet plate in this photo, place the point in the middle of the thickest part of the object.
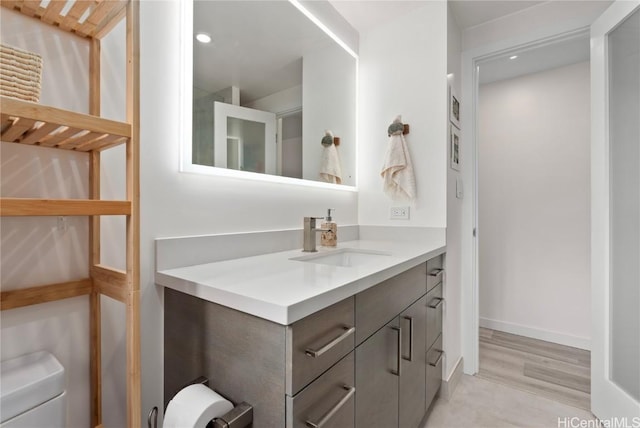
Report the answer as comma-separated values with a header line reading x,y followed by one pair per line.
x,y
63,223
399,213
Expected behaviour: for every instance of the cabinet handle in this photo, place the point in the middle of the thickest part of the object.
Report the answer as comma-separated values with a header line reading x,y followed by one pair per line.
x,y
350,391
410,319
438,301
398,370
437,361
437,273
317,353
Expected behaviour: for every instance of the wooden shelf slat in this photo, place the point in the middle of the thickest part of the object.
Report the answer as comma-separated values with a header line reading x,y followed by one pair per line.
x,y
37,133
12,299
70,21
58,136
34,111
54,207
112,20
51,13
97,15
110,282
103,14
18,127
101,143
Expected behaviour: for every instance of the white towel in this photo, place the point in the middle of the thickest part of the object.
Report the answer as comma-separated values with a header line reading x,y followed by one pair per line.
x,y
397,171
330,170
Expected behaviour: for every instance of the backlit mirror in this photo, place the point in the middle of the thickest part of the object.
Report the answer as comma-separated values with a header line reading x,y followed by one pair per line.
x,y
267,83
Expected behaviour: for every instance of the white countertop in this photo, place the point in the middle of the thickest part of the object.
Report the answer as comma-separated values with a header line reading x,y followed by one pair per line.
x,y
273,287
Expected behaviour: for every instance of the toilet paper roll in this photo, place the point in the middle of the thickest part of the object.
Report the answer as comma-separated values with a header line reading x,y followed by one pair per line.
x,y
194,407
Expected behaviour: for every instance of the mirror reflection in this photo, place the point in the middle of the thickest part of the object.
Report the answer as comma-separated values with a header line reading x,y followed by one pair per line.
x,y
268,84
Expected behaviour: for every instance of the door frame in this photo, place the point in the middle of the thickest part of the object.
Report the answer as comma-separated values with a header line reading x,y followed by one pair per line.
x,y
608,401
470,232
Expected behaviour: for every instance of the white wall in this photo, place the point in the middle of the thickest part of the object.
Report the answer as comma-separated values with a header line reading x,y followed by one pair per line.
x,y
403,67
452,316
174,203
533,187
34,251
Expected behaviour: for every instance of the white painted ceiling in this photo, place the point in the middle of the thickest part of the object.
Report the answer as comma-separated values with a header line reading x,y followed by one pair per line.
x,y
537,59
365,14
469,13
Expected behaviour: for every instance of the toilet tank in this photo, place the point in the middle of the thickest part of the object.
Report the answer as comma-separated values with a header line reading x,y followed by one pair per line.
x,y
32,392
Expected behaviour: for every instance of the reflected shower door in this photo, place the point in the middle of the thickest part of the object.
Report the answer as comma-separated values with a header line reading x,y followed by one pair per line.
x,y
245,138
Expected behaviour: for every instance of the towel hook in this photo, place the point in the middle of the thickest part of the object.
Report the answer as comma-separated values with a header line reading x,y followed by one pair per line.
x,y
397,127
329,139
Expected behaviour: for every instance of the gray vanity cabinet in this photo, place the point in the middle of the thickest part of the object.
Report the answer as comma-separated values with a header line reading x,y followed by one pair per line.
x,y
370,360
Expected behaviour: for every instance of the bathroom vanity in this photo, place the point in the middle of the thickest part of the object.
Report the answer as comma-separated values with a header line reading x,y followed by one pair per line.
x,y
345,337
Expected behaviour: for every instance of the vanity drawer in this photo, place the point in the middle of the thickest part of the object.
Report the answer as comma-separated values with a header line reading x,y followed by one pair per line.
x,y
435,271
328,402
379,304
317,342
435,302
435,358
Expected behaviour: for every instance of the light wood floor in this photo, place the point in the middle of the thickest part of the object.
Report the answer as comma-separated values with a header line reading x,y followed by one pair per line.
x,y
479,403
557,372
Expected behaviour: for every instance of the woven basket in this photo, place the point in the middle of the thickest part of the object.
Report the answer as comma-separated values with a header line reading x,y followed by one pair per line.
x,y
20,74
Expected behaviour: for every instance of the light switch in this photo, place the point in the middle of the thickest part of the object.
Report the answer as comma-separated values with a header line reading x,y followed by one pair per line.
x,y
459,190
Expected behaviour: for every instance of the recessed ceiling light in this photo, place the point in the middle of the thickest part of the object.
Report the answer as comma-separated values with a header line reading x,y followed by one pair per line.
x,y
513,57
203,38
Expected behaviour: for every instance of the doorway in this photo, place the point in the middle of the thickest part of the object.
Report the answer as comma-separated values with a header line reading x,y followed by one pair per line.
x,y
609,400
533,145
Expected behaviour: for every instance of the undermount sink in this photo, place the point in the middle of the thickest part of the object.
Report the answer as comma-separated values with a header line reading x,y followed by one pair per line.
x,y
344,257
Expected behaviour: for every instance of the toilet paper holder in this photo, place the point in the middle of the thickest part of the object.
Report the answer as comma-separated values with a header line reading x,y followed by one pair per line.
x,y
241,416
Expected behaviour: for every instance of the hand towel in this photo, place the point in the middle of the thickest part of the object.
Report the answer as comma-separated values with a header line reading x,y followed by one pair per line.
x,y
330,169
397,171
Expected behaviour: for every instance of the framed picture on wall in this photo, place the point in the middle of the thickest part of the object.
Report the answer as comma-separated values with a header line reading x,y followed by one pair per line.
x,y
454,108
454,143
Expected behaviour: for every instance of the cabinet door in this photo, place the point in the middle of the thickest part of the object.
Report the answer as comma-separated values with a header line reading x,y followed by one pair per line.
x,y
377,379
413,322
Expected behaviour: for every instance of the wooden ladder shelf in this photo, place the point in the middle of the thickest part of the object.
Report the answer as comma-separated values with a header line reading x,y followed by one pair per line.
x,y
30,123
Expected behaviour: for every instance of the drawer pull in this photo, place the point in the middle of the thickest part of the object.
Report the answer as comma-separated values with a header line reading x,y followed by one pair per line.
x,y
437,361
438,301
410,319
398,370
350,391
317,353
437,273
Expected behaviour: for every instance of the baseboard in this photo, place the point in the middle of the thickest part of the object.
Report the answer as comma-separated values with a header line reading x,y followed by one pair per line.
x,y
448,386
535,333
